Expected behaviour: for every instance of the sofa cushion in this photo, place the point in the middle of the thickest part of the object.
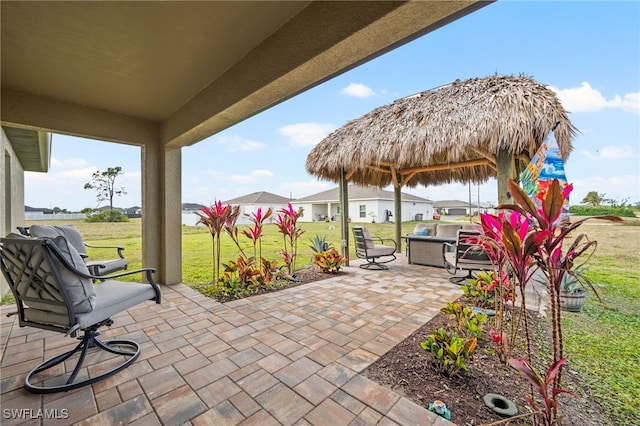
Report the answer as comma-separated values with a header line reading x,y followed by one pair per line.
x,y
425,229
447,230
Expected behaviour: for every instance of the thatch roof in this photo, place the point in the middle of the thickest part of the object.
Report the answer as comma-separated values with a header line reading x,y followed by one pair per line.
x,y
449,134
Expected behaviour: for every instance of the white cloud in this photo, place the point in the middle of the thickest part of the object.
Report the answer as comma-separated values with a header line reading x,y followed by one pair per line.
x,y
255,176
306,134
587,99
358,90
236,143
610,153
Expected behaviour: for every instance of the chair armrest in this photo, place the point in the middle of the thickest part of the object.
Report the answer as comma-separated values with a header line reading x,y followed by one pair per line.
x,y
382,241
448,247
120,249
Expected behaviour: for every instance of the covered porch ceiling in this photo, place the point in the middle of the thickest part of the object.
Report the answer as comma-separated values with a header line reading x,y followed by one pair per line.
x,y
178,72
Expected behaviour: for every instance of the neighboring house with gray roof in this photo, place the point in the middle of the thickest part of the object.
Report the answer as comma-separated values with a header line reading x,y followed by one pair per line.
x,y
189,216
250,203
366,204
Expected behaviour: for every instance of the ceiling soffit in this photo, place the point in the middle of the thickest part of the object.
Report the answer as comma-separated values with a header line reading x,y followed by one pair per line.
x,y
178,72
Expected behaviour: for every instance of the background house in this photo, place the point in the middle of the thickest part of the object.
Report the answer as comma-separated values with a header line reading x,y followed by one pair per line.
x,y
250,203
189,216
461,208
366,204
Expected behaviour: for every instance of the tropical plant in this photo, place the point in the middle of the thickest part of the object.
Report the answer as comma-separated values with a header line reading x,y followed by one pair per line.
x,y
545,387
594,198
329,261
529,237
451,351
254,233
319,244
216,218
286,220
482,289
467,321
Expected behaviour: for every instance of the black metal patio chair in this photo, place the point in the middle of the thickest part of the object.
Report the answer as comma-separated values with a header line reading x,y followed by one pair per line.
x,y
54,290
366,248
464,255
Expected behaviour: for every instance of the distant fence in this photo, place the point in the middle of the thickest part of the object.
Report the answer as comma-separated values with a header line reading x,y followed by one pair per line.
x,y
54,216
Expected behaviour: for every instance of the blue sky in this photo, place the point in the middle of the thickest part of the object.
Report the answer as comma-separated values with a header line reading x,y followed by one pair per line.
x,y
588,52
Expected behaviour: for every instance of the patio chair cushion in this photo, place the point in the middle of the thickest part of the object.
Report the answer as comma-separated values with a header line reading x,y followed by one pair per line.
x,y
368,241
79,289
447,230
69,232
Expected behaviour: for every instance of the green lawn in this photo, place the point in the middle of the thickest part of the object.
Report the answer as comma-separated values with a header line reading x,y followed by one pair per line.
x,y
602,342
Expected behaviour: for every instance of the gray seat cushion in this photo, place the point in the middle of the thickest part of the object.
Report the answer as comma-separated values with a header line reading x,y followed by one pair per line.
x,y
378,250
113,297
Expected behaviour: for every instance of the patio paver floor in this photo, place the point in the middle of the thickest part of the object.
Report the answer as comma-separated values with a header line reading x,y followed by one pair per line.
x,y
292,357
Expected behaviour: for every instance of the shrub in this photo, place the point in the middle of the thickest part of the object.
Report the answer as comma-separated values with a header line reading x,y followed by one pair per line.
x,y
450,351
329,261
108,216
623,211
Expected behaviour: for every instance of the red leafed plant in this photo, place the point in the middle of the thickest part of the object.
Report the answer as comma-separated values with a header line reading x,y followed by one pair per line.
x,y
286,220
525,239
216,218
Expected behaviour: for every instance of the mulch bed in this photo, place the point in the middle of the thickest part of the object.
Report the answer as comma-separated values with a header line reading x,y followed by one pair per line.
x,y
410,370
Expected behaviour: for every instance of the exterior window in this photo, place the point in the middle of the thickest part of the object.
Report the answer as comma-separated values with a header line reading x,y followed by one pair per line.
x,y
363,210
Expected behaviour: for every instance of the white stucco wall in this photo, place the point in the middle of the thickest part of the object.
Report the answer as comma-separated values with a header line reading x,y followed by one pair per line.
x,y
11,194
377,207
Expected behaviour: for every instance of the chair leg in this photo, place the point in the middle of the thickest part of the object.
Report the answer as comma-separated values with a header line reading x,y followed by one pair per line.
x,y
372,264
461,280
88,341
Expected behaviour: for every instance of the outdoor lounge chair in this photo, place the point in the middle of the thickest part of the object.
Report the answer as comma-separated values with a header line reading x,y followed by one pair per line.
x,y
96,267
464,255
366,248
54,290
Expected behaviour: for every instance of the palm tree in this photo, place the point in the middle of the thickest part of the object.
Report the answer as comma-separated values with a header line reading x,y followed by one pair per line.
x,y
594,199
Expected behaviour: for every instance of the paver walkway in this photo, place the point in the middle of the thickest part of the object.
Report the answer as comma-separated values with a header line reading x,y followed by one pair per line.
x,y
288,358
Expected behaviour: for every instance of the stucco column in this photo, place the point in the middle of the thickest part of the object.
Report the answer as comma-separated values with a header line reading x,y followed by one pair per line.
x,y
161,212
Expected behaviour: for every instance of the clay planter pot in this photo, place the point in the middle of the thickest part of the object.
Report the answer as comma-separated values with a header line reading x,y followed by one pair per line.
x,y
572,302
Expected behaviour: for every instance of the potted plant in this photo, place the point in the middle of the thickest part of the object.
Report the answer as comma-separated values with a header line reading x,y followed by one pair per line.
x,y
572,289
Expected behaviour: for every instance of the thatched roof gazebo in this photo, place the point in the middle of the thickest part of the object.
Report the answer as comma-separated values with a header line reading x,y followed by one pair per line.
x,y
468,131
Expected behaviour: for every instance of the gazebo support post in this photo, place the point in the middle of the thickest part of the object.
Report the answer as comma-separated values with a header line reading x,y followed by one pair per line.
x,y
505,166
344,216
397,207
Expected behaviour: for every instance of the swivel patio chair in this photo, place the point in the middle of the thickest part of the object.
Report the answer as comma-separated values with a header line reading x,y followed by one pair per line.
x,y
54,290
366,248
96,267
464,255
